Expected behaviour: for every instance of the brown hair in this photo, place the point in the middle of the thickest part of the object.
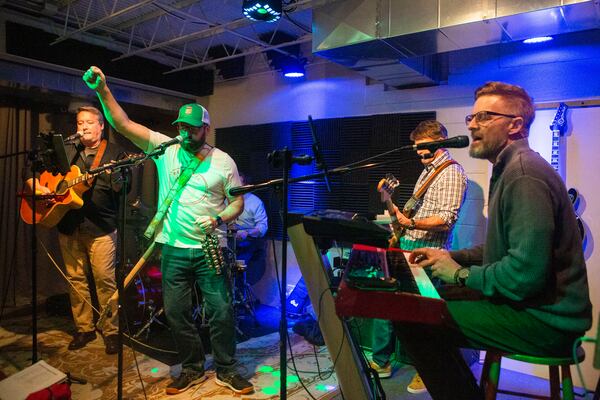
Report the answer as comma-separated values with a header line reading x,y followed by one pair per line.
x,y
515,96
92,110
429,129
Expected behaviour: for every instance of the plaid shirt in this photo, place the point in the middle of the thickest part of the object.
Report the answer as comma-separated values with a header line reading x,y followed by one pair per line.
x,y
443,198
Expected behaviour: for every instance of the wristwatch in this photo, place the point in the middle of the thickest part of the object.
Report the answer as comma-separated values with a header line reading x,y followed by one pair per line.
x,y
219,220
461,275
412,225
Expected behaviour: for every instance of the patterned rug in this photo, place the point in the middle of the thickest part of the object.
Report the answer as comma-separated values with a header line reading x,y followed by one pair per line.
x,y
309,369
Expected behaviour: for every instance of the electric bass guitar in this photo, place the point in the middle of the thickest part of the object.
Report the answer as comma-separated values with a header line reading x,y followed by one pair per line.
x,y
386,188
66,195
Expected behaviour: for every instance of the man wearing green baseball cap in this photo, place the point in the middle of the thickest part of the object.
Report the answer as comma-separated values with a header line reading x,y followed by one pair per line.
x,y
193,196
193,123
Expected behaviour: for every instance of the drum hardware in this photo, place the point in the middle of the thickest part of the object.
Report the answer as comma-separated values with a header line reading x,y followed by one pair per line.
x,y
243,297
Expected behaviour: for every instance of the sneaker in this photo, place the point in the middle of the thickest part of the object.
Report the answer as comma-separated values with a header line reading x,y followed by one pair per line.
x,y
185,381
234,382
417,385
80,339
383,372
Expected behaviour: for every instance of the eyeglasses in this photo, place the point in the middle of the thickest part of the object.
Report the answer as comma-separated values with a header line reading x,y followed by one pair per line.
x,y
485,116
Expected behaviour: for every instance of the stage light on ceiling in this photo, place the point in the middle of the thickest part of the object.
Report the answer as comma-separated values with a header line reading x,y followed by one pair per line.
x,y
262,10
293,68
538,39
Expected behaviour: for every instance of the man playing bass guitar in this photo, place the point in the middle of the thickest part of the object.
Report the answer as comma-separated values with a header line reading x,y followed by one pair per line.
x,y
426,221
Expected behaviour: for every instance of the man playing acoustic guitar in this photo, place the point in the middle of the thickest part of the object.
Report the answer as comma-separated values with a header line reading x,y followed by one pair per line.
x,y
427,221
88,235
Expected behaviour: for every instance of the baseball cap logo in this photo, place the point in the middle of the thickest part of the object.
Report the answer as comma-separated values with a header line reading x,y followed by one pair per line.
x,y
188,110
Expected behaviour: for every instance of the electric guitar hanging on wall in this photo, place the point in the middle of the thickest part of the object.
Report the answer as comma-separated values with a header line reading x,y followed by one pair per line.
x,y
559,127
67,191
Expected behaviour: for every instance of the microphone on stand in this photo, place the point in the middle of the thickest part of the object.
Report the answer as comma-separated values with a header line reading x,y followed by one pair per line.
x,y
456,142
319,161
73,137
175,140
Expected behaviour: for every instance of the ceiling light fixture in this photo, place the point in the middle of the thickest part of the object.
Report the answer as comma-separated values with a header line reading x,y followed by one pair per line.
x,y
294,68
262,10
538,39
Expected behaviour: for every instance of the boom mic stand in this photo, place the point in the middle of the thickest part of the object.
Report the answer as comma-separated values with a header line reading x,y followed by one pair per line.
x,y
283,158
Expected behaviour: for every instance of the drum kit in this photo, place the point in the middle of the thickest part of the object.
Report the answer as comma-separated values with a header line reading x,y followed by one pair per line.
x,y
144,300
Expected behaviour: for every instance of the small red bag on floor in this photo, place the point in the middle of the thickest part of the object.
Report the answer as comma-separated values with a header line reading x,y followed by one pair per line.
x,y
58,391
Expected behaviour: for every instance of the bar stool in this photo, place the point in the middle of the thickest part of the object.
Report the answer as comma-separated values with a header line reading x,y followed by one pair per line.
x,y
490,374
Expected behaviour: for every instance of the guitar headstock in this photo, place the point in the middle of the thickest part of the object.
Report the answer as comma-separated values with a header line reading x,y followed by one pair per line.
x,y
386,187
559,124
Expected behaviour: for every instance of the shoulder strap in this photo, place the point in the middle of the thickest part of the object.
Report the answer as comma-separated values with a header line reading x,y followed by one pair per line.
x,y
183,178
411,203
97,159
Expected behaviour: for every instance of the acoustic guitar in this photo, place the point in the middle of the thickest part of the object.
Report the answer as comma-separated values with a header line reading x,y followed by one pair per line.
x,y
67,192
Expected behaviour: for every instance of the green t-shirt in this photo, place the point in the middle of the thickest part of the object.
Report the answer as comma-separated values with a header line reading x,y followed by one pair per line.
x,y
204,194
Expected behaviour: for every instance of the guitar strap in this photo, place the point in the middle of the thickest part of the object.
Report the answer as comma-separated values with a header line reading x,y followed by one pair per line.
x,y
414,199
183,178
97,159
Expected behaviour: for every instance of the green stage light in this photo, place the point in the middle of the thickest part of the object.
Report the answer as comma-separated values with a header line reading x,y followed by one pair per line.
x,y
262,10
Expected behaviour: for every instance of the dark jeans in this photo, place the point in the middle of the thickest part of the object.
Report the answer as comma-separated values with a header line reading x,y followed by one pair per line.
x,y
383,341
479,325
181,270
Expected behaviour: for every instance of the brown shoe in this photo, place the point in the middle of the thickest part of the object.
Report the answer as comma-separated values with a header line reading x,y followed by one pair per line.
x,y
416,385
111,344
80,339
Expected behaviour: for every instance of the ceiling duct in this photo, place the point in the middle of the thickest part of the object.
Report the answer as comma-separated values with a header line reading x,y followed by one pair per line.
x,y
404,43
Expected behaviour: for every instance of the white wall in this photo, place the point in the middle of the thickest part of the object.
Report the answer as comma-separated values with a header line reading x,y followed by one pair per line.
x,y
567,73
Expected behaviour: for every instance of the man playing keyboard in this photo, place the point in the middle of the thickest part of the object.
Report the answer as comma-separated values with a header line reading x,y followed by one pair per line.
x,y
530,271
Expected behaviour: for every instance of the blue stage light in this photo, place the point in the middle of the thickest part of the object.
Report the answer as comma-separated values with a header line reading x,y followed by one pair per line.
x,y
293,68
262,10
538,39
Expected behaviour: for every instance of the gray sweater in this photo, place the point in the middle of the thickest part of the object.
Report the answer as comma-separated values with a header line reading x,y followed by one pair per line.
x,y
533,256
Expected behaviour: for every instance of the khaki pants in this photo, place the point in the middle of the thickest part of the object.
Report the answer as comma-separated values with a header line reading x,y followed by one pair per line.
x,y
82,252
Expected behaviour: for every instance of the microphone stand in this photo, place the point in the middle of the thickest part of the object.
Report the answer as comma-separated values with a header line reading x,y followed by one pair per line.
x,y
34,159
120,274
285,159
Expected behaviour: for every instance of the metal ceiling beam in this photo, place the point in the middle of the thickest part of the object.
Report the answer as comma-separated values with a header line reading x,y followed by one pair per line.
x,y
51,27
152,15
303,39
216,30
101,21
190,17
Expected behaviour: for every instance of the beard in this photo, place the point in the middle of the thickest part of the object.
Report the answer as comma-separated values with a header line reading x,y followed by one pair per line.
x,y
193,145
486,150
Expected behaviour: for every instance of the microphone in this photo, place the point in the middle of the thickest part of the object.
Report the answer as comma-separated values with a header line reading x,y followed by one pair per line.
x,y
175,140
319,161
456,142
73,137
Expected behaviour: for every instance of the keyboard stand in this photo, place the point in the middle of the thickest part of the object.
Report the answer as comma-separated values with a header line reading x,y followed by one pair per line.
x,y
349,368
